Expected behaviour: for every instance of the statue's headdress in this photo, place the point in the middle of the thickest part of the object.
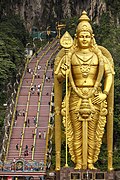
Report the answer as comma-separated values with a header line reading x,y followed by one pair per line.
x,y
84,24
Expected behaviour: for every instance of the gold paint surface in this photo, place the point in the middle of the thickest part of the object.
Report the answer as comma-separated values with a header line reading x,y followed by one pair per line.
x,y
86,107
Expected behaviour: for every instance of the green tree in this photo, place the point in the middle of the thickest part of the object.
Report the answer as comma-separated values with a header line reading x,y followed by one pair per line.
x,y
13,38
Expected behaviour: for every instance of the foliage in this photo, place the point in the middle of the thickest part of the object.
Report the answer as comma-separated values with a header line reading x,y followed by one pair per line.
x,y
71,24
13,38
114,6
13,26
7,6
38,43
107,35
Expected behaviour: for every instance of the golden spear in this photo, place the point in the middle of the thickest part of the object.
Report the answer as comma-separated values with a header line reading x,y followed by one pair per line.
x,y
66,42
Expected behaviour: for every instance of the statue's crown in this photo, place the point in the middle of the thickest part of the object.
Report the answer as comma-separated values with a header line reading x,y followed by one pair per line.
x,y
84,24
84,17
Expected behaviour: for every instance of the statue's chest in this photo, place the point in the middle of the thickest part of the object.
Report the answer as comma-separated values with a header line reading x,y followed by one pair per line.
x,y
84,65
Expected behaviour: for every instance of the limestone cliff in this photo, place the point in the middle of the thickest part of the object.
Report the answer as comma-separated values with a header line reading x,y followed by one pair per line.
x,y
42,13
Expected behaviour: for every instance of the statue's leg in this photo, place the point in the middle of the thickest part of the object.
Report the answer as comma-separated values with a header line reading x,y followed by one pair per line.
x,y
95,133
92,125
99,133
77,139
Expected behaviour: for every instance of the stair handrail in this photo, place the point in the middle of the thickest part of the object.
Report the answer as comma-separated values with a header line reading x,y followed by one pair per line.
x,y
33,152
15,107
46,67
49,128
27,107
23,131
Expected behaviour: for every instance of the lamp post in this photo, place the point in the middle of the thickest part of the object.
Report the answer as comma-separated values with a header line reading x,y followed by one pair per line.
x,y
58,28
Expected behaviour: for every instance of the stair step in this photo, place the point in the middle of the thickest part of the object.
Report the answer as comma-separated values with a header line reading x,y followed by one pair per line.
x,y
40,144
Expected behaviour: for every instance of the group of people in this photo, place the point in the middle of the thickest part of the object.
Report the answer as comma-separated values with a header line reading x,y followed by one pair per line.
x,y
19,113
26,152
34,88
27,123
31,71
40,134
47,78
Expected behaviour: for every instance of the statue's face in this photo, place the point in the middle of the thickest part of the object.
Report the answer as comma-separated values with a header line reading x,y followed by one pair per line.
x,y
84,39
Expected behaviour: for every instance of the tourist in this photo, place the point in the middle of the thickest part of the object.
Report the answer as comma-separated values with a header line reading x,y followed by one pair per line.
x,y
26,152
39,134
32,147
35,120
26,147
19,113
17,146
33,134
38,92
39,67
46,78
28,122
39,86
38,75
32,90
21,134
30,70
35,86
23,112
14,160
16,114
44,134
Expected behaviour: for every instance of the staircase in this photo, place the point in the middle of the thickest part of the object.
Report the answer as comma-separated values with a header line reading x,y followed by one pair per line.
x,y
35,106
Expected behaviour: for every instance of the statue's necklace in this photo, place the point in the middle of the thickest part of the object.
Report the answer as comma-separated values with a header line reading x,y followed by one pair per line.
x,y
85,65
84,57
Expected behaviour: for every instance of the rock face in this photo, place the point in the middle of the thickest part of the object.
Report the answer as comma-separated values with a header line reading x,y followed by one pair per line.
x,y
41,13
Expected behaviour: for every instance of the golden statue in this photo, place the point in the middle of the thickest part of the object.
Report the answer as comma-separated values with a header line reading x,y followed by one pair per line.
x,y
88,103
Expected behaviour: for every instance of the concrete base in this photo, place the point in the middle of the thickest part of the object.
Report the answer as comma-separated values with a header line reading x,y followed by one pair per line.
x,y
71,174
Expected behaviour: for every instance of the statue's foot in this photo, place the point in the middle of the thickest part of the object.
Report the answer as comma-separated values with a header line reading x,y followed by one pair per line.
x,y
78,166
91,166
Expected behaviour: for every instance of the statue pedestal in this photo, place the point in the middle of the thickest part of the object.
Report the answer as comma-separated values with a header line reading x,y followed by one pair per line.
x,y
71,174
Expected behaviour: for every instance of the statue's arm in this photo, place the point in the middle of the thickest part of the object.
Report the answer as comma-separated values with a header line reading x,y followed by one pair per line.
x,y
108,78
60,68
59,60
107,84
62,63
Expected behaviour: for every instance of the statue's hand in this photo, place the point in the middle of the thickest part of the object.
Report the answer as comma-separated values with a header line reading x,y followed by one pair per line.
x,y
99,98
64,68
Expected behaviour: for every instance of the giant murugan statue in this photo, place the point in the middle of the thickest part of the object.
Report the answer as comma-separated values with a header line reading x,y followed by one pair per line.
x,y
88,103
